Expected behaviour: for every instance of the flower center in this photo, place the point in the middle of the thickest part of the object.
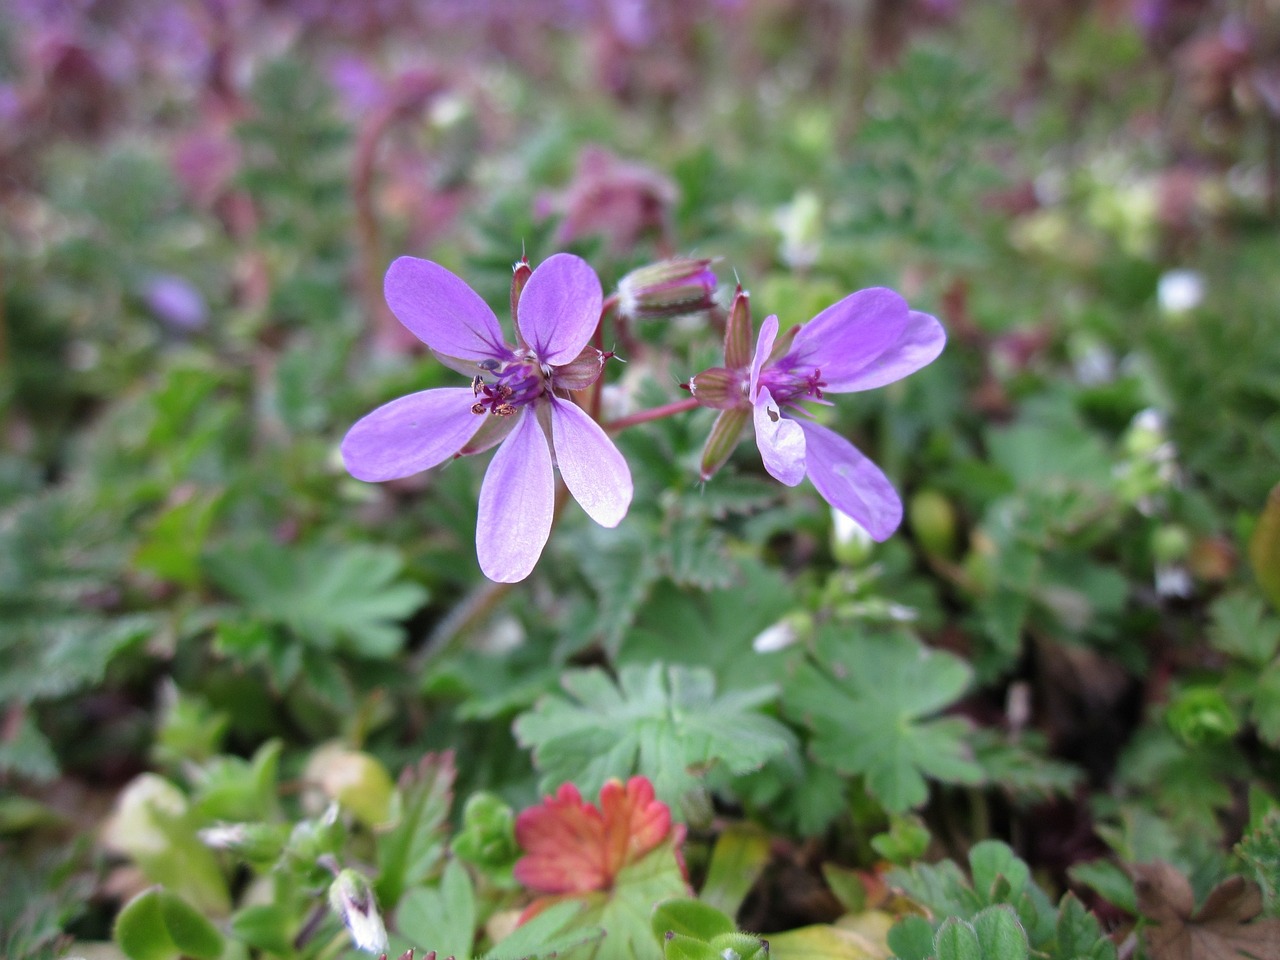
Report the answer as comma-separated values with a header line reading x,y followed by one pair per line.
x,y
790,385
515,384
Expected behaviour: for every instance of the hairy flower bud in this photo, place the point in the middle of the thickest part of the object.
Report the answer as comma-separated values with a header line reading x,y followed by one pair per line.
x,y
719,388
351,898
738,332
520,274
582,371
666,289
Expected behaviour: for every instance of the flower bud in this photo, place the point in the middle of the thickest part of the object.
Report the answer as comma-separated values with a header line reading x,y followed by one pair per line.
x,y
1200,715
718,388
666,289
851,544
520,274
1170,543
488,836
724,437
582,371
352,900
356,780
933,521
739,347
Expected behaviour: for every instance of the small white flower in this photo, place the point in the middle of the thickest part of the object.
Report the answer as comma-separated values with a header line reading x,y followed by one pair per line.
x,y
1179,292
777,637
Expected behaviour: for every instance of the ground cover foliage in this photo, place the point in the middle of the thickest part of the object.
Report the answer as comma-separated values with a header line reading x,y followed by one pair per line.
x,y
254,707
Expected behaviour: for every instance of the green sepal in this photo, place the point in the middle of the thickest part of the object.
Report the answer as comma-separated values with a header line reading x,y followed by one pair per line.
x,y
723,438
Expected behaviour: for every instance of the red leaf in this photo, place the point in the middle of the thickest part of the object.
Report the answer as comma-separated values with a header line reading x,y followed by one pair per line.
x,y
572,846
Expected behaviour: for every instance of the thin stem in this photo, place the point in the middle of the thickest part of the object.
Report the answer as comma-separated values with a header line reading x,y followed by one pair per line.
x,y
654,413
453,630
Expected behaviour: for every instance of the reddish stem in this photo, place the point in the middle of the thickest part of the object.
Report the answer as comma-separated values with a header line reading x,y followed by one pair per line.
x,y
653,413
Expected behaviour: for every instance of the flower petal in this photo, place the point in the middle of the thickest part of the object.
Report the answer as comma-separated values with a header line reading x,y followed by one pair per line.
x,y
764,347
593,469
409,435
442,311
850,482
560,308
517,500
781,441
918,346
850,334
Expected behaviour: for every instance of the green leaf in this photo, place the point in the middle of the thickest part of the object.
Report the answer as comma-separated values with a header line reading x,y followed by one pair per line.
x,y
1078,933
1242,627
171,549
665,723
823,941
1021,767
409,851
869,709
906,840
677,946
690,918
1264,548
442,919
740,854
1259,848
160,925
992,861
1109,880
26,752
327,595
1000,934
911,938
266,926
553,932
957,940
624,911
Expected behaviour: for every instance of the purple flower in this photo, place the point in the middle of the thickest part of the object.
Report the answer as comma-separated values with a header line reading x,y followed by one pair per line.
x,y
518,398
868,339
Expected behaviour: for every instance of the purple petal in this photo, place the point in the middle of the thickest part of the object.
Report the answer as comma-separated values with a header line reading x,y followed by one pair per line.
x,y
411,434
442,311
560,308
850,482
517,500
781,441
591,465
918,346
764,347
850,334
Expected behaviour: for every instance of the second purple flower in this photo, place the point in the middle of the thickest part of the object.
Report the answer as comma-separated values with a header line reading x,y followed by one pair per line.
x,y
518,398
868,339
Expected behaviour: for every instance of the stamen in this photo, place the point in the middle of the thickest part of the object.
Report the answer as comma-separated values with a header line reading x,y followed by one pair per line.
x,y
815,383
